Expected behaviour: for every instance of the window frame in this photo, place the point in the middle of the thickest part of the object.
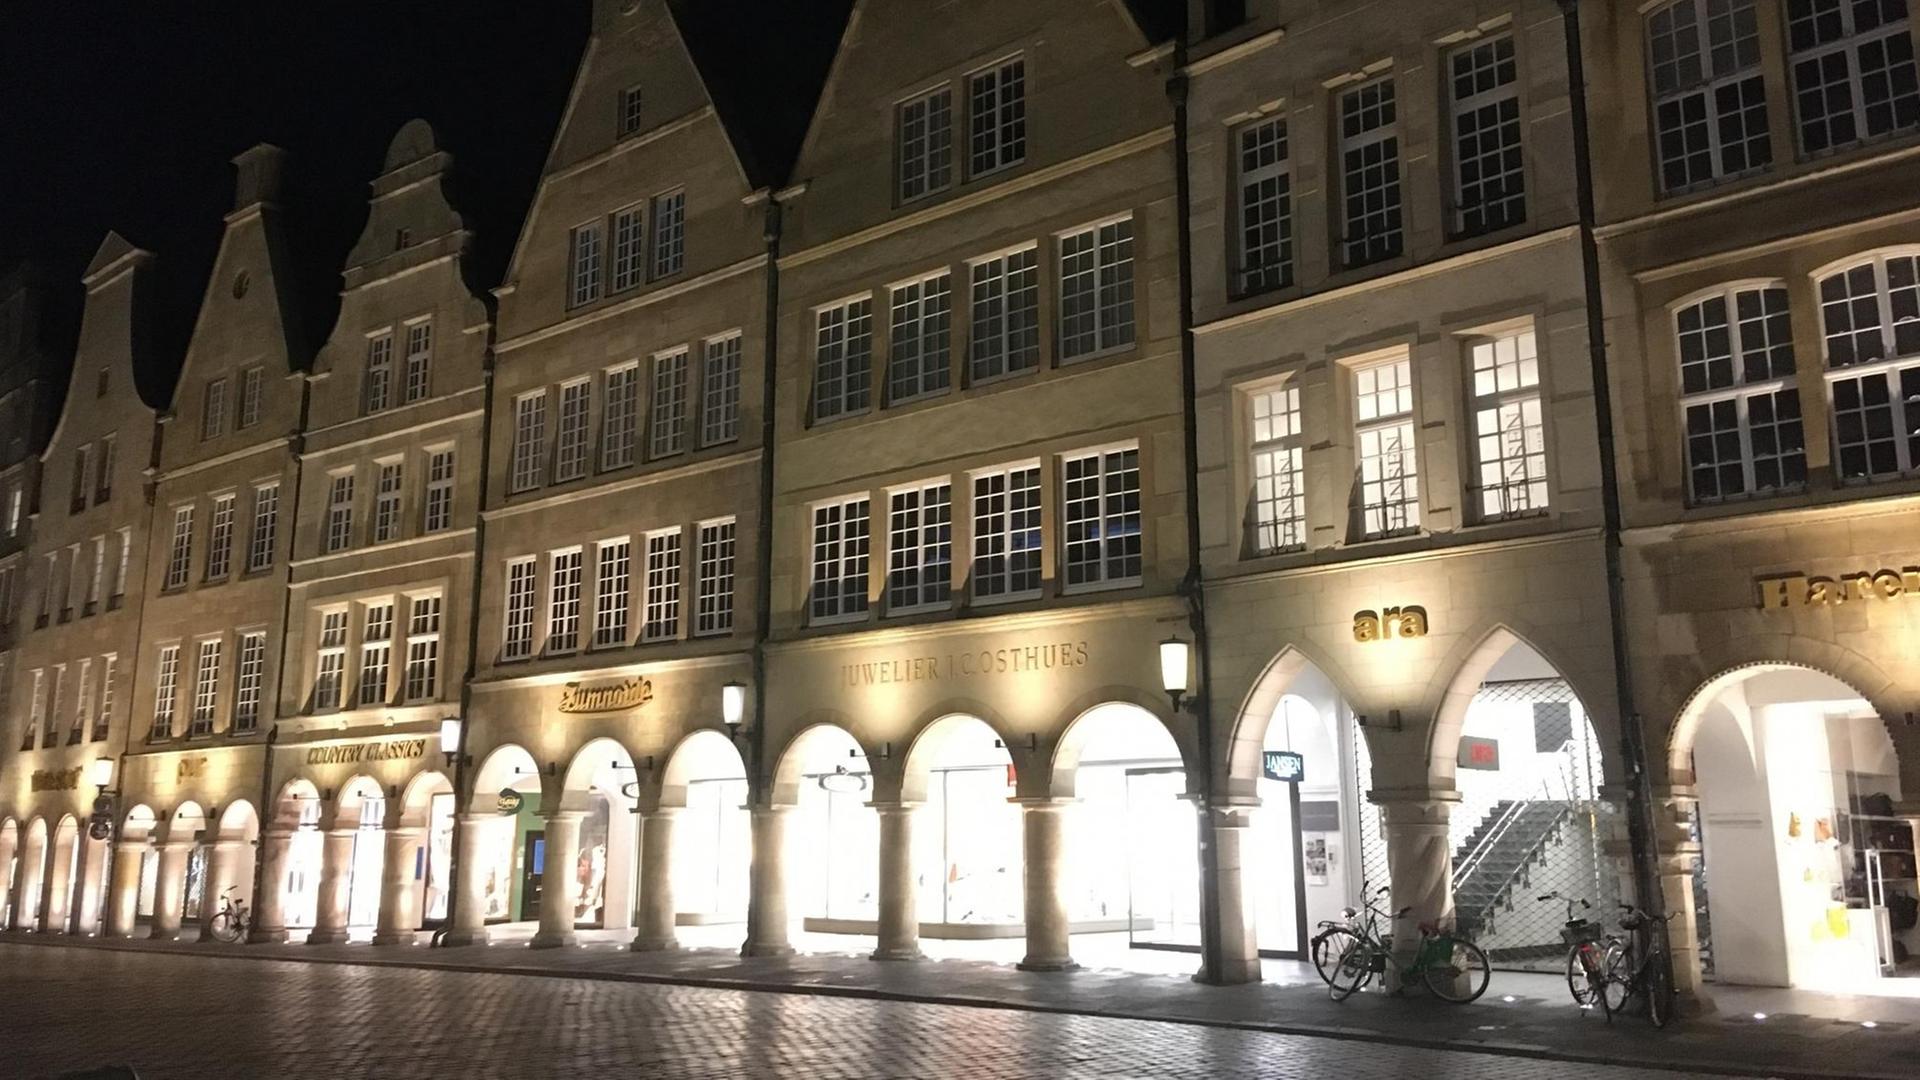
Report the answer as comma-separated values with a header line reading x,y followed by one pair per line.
x,y
907,313
1498,400
994,72
661,603
612,607
1281,172
1849,44
1514,184
1105,579
1904,417
1345,144
1293,442
1411,505
848,605
919,529
1104,276
585,279
720,404
1708,88
720,569
844,399
945,173
1006,338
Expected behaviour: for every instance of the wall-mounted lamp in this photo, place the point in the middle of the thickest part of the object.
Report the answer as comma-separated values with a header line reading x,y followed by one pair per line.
x,y
733,708
100,774
450,741
1174,660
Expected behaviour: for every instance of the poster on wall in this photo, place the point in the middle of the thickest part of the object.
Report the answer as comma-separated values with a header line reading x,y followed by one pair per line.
x,y
591,869
1317,861
439,855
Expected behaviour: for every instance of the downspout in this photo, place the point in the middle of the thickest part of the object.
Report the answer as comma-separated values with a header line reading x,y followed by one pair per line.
x,y
296,445
1212,960
759,783
1641,832
461,764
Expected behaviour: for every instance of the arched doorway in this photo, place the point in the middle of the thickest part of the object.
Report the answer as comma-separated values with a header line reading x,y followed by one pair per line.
x,y
1528,766
33,874
1797,778
705,782
63,869
298,810
423,842
228,869
1313,842
603,783
1133,868
137,834
968,870
511,837
362,807
9,868
825,777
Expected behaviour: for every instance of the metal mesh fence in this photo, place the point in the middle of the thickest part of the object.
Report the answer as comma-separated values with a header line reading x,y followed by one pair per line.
x,y
1373,842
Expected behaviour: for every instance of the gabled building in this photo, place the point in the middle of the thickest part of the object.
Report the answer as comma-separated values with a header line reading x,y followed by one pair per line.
x,y
216,576
85,590
381,573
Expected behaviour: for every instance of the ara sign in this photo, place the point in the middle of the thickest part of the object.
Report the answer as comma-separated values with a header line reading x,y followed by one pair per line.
x,y
1284,766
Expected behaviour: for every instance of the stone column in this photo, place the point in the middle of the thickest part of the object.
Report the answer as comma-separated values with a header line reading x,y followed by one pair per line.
x,y
269,916
91,886
1419,866
1044,845
58,903
469,924
767,923
335,895
899,900
223,866
559,880
1227,827
656,930
123,899
399,919
1673,810
24,910
170,890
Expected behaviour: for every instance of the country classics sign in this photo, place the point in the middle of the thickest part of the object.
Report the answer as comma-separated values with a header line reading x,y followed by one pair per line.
x,y
56,779
379,750
1406,622
606,697
1020,659
1801,590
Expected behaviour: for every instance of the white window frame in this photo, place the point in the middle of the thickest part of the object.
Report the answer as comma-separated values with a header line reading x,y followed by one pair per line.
x,y
660,617
339,535
1263,193
720,389
82,702
583,262
330,660
574,418
612,591
1114,325
923,143
1106,489
1893,316
714,577
1849,44
565,574
920,332
994,528
213,408
436,507
1397,511
103,715
103,474
266,521
373,685
519,607
1276,459
249,680
848,574
996,348
837,328
125,533
1356,251
1507,401
252,382
166,693
919,551
206,687
220,526
97,581
419,360
1495,110
377,395
1738,394
425,615
667,406
1696,101
629,248
667,240
996,116
619,415
529,441
179,550
389,494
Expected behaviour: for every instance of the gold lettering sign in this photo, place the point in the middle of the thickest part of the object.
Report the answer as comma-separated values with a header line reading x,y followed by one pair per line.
x,y
1406,622
354,753
1023,659
606,697
191,768
1803,591
56,779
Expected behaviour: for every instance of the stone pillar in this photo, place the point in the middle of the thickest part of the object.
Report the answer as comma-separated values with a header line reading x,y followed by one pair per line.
x,y
170,890
1044,846
335,895
1419,867
223,867
58,902
269,915
899,899
767,923
656,930
559,881
469,923
1673,810
1239,941
123,899
92,885
399,919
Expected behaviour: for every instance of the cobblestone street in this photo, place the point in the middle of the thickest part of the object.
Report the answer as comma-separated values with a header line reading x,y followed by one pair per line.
x,y
195,1017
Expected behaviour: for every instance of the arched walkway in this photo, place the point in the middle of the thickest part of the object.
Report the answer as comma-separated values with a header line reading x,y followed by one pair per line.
x,y
63,872
1797,778
9,868
509,842
824,776
967,862
703,789
230,852
603,784
297,811
31,877
360,810
142,869
426,814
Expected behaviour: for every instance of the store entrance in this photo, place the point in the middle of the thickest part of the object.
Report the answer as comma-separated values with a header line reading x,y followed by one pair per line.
x,y
534,859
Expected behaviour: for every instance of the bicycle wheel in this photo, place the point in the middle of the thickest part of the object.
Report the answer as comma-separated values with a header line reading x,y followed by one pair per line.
x,y
1579,982
1328,947
224,928
1354,970
1659,992
1457,971
1617,970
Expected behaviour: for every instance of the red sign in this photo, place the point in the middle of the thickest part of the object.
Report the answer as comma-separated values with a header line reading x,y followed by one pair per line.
x,y
1479,753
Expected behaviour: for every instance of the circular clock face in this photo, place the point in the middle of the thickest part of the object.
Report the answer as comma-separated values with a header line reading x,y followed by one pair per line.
x,y
240,283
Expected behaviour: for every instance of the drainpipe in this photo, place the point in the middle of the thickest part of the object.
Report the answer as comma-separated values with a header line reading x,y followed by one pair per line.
x,y
461,764
1212,962
1641,831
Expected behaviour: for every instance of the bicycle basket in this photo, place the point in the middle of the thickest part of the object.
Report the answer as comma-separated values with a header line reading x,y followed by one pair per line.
x,y
1581,932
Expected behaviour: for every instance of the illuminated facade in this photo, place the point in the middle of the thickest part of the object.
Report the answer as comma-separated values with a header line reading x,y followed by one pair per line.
x,y
785,553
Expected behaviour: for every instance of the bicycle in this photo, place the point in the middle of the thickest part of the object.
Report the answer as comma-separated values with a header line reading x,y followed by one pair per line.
x,y
230,923
1453,968
1334,938
1636,971
1587,944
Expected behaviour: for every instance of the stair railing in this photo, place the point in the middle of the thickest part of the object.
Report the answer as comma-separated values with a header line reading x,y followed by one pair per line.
x,y
1488,841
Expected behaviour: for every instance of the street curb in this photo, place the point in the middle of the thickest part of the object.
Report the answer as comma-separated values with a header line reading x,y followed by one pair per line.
x,y
1710,1067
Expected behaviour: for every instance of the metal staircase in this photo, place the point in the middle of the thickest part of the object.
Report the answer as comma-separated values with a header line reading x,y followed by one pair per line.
x,y
1494,862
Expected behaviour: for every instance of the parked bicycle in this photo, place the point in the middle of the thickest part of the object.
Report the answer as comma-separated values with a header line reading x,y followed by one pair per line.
x,y
230,923
1332,938
1587,944
1638,969
1452,967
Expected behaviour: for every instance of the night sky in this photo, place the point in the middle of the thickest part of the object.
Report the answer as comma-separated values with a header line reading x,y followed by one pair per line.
x,y
123,114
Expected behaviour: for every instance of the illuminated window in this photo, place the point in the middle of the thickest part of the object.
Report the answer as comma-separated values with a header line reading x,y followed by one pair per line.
x,y
919,363
1384,441
1279,476
1266,206
1510,438
1738,399
1709,99
1100,517
1489,182
840,553
919,548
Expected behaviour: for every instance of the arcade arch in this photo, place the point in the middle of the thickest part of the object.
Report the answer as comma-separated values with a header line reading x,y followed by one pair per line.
x,y
825,778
